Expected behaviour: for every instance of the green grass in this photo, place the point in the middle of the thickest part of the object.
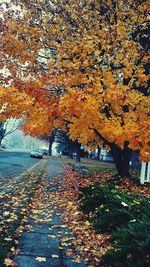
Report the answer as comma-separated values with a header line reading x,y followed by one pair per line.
x,y
92,166
95,166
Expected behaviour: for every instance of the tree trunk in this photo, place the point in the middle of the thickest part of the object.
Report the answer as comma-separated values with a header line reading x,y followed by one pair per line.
x,y
50,148
0,141
71,148
121,159
78,152
121,156
51,140
98,153
70,155
126,162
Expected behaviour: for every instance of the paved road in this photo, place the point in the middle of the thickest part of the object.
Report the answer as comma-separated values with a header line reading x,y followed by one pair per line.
x,y
15,162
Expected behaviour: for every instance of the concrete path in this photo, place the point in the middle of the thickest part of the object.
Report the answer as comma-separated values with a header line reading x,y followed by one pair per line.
x,y
46,240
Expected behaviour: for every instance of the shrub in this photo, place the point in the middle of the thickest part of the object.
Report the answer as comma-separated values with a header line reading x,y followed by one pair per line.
x,y
127,217
92,197
119,210
131,246
112,208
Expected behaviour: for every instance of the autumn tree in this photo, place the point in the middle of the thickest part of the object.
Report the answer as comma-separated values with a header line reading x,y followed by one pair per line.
x,y
5,130
96,51
2,132
50,140
14,103
107,81
66,144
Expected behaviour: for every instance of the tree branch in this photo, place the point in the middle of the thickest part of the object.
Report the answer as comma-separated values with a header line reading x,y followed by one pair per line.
x,y
141,57
102,138
10,132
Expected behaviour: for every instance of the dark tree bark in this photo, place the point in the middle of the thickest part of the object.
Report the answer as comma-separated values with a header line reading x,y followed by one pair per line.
x,y
2,132
1,141
121,156
70,148
51,140
121,159
50,149
98,153
70,154
78,152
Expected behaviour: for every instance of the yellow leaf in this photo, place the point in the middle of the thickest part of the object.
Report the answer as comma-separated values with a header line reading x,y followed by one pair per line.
x,y
64,239
51,236
107,210
6,213
9,262
8,239
61,248
36,211
93,251
12,249
77,260
87,223
40,259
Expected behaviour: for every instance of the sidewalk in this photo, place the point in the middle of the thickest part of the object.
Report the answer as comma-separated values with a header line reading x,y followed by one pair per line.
x,y
45,239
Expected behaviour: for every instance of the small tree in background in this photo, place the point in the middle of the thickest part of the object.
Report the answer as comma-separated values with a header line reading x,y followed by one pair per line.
x,y
2,132
68,146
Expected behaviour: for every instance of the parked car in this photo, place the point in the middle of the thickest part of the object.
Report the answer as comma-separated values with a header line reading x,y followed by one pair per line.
x,y
45,151
3,146
37,153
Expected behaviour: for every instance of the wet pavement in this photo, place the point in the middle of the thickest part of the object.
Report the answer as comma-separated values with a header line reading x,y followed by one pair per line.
x,y
44,246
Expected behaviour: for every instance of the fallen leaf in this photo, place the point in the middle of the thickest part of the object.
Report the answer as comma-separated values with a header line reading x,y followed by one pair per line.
x,y
6,213
9,262
36,211
61,248
64,239
8,239
12,249
77,260
55,256
51,236
40,259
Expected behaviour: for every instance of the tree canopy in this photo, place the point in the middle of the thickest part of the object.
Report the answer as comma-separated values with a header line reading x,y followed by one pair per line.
x,y
83,64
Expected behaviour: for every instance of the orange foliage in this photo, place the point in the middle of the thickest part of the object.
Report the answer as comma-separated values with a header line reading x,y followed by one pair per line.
x,y
87,118
14,103
96,54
